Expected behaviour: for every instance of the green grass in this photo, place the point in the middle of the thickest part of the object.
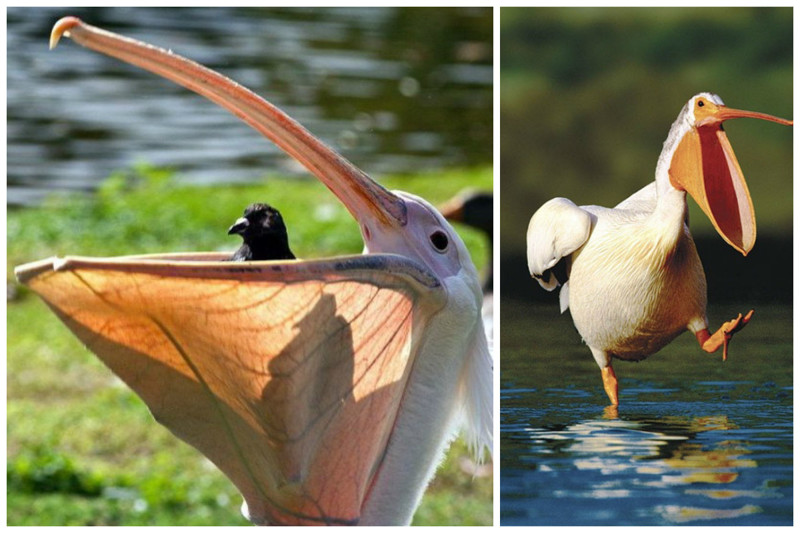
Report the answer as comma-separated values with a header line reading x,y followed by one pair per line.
x,y
144,210
82,448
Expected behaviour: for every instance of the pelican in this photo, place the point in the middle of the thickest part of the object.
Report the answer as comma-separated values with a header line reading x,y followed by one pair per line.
x,y
475,209
630,275
326,390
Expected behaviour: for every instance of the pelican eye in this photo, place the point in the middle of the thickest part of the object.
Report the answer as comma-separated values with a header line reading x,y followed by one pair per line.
x,y
439,240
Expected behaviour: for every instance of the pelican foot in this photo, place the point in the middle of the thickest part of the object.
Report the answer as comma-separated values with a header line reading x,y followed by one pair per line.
x,y
721,337
610,384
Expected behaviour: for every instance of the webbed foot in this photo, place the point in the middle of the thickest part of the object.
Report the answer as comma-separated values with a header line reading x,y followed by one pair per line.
x,y
711,343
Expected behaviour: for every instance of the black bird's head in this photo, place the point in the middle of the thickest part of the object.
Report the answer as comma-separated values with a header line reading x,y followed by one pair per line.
x,y
264,234
258,220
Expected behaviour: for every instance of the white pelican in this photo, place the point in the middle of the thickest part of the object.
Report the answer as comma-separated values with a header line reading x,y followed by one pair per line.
x,y
326,390
630,275
475,209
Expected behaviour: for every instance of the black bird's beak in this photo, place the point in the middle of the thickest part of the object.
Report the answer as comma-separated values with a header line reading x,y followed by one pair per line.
x,y
239,226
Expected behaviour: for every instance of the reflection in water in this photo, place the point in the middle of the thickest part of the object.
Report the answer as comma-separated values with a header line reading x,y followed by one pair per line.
x,y
694,441
675,513
650,460
611,446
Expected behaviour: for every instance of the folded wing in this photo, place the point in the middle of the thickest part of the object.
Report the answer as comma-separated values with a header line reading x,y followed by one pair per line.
x,y
556,230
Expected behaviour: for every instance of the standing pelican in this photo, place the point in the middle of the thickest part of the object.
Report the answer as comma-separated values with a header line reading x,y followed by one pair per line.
x,y
630,275
326,390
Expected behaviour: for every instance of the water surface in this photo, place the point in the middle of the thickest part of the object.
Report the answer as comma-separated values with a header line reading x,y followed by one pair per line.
x,y
694,442
396,90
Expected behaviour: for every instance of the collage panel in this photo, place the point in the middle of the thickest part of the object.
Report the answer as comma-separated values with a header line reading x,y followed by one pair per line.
x,y
285,298
609,117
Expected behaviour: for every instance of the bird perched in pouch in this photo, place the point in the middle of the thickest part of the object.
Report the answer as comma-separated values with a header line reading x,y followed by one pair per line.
x,y
264,234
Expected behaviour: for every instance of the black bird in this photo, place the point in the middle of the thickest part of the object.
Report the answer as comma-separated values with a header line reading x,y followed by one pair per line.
x,y
475,209
264,235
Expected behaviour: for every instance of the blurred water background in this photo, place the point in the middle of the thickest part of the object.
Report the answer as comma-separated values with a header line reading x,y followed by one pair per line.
x,y
587,99
397,90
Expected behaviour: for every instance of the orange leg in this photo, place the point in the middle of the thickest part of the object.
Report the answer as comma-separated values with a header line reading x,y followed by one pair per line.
x,y
610,384
722,336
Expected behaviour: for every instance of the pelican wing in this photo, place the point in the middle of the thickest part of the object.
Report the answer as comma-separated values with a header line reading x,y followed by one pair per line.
x,y
287,375
555,231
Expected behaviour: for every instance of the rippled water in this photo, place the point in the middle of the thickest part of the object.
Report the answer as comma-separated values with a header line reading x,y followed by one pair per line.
x,y
694,441
396,90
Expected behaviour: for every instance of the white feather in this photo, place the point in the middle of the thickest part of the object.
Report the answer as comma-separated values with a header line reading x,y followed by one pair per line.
x,y
555,231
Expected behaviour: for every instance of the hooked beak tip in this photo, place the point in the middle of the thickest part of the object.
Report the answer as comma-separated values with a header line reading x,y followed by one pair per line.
x,y
62,27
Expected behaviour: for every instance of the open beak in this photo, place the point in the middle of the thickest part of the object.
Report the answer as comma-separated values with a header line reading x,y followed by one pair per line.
x,y
705,166
368,202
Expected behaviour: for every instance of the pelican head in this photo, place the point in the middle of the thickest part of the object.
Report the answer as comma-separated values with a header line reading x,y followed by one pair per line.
x,y
425,235
390,222
699,160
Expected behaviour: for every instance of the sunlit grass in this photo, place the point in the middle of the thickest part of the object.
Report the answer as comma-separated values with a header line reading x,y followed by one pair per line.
x,y
144,210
